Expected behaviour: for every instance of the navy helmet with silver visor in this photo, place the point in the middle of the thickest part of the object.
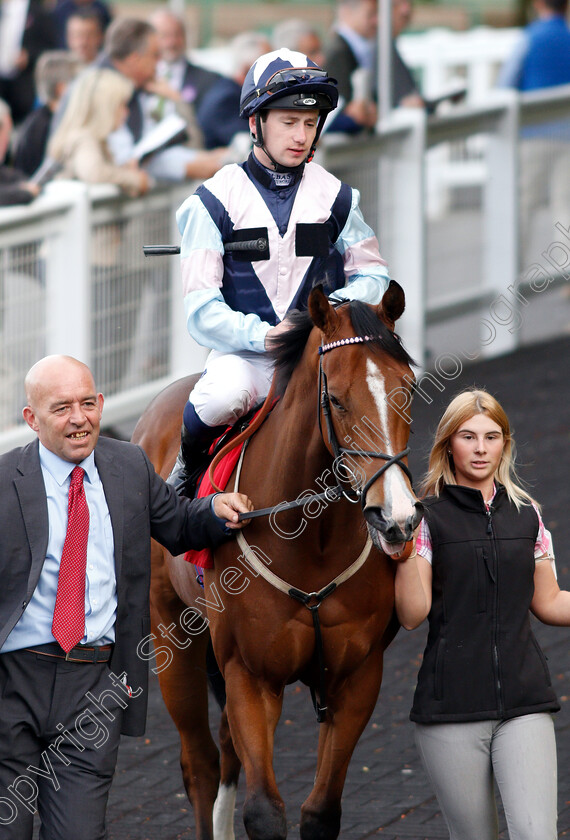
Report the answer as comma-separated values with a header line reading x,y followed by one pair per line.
x,y
284,79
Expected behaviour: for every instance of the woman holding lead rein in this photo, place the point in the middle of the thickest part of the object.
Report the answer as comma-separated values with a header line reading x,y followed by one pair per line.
x,y
484,699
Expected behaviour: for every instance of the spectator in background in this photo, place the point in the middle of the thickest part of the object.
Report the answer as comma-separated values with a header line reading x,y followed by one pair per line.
x,y
66,8
189,80
405,91
175,88
97,106
14,188
54,72
300,36
350,58
542,60
219,110
132,49
26,31
542,57
84,35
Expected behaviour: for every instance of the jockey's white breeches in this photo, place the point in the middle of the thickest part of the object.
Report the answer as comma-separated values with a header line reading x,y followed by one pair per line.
x,y
232,384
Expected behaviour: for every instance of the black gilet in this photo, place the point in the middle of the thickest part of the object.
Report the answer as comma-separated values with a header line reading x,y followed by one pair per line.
x,y
482,660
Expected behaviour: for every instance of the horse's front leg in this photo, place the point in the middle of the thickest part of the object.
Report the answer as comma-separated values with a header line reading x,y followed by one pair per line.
x,y
224,806
253,713
349,709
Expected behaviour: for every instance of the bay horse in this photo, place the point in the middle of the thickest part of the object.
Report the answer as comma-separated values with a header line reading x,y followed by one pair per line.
x,y
309,594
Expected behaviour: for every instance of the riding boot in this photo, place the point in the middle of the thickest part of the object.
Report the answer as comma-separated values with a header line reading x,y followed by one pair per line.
x,y
180,475
193,456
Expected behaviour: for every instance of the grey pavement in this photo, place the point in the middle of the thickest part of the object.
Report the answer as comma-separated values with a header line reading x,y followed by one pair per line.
x,y
386,793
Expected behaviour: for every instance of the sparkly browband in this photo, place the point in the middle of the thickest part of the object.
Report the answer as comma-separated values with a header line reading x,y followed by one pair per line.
x,y
355,339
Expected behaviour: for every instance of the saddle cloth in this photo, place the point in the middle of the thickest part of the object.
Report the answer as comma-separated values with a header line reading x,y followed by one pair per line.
x,y
203,558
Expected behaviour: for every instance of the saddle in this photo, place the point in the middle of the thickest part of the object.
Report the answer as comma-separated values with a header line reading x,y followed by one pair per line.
x,y
202,559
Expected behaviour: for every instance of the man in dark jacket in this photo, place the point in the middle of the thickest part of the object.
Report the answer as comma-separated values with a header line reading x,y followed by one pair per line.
x,y
77,516
28,28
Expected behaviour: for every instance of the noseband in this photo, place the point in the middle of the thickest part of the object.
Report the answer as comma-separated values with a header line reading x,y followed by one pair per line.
x,y
351,494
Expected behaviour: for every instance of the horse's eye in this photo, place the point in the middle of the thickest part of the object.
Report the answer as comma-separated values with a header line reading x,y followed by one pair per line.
x,y
337,404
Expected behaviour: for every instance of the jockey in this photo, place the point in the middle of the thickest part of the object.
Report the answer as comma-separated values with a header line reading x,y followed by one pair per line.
x,y
302,226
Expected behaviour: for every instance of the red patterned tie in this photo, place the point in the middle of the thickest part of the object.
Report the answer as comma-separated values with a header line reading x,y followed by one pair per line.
x,y
69,614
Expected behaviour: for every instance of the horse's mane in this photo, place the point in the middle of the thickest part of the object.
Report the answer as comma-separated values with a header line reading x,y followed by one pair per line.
x,y
287,349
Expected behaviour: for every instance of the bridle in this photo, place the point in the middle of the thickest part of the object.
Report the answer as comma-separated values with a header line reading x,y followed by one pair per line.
x,y
347,490
344,488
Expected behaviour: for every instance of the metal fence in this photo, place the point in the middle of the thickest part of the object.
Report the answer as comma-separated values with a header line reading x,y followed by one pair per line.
x,y
472,213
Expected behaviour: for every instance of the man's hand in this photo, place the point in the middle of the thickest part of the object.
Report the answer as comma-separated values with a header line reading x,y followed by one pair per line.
x,y
362,111
228,505
161,87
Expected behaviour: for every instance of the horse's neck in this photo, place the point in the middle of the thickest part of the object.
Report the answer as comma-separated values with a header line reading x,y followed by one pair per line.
x,y
292,442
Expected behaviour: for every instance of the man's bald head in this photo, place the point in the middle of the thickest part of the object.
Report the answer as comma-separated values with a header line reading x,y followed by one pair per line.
x,y
63,407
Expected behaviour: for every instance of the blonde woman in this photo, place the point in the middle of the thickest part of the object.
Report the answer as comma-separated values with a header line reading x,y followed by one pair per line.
x,y
484,699
97,106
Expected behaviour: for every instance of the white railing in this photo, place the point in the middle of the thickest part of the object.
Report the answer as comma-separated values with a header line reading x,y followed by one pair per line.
x,y
73,278
439,57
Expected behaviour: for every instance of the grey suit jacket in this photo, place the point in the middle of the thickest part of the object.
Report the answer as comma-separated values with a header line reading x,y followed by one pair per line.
x,y
141,506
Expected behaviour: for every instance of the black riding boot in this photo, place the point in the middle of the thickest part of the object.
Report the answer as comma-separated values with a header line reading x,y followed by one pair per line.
x,y
191,462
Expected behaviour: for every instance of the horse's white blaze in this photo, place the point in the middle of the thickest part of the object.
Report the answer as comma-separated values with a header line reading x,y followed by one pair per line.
x,y
398,499
224,808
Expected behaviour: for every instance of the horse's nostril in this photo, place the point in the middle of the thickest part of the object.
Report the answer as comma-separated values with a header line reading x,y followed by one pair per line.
x,y
375,518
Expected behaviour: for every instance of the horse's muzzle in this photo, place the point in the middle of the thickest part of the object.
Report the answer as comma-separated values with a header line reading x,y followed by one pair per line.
x,y
387,534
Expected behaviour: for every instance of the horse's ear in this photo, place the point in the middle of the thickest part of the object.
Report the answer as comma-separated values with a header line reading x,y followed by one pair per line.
x,y
393,303
322,312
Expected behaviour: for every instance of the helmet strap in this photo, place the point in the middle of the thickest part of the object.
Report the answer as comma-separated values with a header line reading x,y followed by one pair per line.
x,y
320,126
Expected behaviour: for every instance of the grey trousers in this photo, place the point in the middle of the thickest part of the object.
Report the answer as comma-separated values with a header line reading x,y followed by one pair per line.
x,y
464,760
59,736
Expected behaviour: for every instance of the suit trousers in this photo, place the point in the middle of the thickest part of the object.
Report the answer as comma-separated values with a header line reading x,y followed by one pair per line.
x,y
464,760
60,726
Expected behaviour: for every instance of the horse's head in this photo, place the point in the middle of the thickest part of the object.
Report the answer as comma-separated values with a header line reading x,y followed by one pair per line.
x,y
364,370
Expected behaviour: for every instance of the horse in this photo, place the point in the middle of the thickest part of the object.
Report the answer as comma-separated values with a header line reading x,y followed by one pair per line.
x,y
306,593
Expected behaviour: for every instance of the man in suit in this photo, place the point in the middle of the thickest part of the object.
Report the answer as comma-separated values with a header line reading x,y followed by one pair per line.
x,y
131,48
72,497
26,31
189,80
351,59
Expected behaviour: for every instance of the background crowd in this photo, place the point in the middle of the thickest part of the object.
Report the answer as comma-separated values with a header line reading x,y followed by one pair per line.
x,y
44,49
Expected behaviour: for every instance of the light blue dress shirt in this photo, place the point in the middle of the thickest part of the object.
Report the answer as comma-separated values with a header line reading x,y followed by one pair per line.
x,y
364,49
34,627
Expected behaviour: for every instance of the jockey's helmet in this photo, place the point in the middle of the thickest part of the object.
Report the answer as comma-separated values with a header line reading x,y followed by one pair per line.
x,y
289,80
